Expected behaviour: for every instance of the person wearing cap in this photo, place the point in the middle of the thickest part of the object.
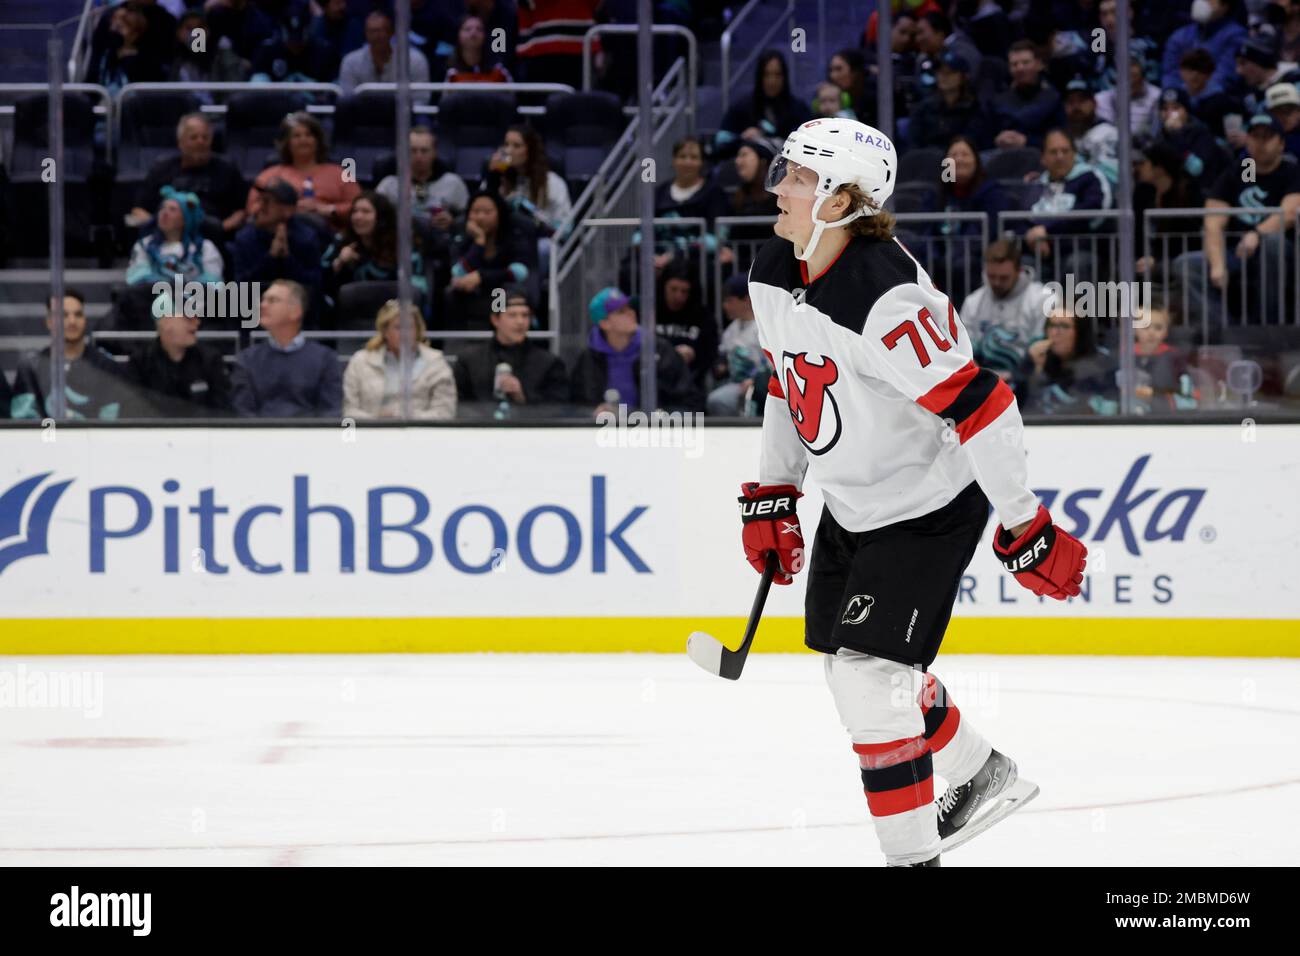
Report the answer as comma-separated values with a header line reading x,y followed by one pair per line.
x,y
951,109
176,375
286,375
935,36
175,246
93,383
1245,247
741,368
1143,103
1103,60
607,373
276,243
1282,100
537,375
1023,113
1096,139
293,54
1202,156
1215,30
1258,68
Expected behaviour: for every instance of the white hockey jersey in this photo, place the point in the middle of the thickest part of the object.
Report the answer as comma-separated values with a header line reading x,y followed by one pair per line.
x,y
876,394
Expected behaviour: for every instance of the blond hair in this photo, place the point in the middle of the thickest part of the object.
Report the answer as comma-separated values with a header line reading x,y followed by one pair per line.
x,y
877,226
389,312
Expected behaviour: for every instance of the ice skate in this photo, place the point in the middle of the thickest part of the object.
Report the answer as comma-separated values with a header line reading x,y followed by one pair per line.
x,y
996,791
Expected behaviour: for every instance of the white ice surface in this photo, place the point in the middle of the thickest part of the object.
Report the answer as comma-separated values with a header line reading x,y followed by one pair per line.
x,y
625,759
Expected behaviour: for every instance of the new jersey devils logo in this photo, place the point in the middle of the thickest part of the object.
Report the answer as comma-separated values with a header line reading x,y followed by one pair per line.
x,y
812,406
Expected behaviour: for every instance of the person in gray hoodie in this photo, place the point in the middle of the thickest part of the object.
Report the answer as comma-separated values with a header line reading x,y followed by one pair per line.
x,y
1006,313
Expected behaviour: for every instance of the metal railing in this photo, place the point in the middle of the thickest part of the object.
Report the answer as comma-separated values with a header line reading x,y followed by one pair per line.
x,y
100,92
608,196
431,109
247,86
1072,250
757,48
77,59
660,29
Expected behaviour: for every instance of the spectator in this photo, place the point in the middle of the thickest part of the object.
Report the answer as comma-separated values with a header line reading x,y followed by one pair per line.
x,y
935,36
1068,184
469,61
241,24
536,375
1283,103
285,375
1163,183
968,189
521,174
491,256
1025,112
177,375
194,62
438,195
366,251
607,372
550,39
291,54
1066,372
1143,117
1289,35
372,383
1210,103
1162,380
1006,314
339,30
160,27
683,321
952,108
690,195
325,193
195,169
93,385
1202,157
1096,139
126,58
1255,238
1215,31
374,62
749,198
1142,46
176,246
990,29
276,243
1258,68
830,102
741,368
847,69
770,111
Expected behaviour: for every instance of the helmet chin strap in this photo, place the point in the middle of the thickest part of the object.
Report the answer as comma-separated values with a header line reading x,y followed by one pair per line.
x,y
820,225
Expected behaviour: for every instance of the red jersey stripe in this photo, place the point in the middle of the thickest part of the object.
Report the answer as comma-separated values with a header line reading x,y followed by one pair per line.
x,y
889,802
991,408
943,394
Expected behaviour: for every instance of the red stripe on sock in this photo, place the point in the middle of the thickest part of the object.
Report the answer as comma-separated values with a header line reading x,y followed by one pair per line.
x,y
946,729
889,802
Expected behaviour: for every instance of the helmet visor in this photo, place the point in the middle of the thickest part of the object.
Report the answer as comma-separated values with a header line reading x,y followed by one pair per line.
x,y
793,179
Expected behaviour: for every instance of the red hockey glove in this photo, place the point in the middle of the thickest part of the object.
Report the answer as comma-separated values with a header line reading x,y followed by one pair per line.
x,y
771,524
1044,559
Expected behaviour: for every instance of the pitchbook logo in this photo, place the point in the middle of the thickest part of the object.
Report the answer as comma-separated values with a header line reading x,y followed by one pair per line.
x,y
24,530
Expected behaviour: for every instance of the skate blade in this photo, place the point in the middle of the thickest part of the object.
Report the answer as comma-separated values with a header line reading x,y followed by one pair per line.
x,y
1007,802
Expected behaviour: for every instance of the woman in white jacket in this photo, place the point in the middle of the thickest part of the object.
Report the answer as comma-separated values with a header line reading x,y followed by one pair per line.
x,y
372,382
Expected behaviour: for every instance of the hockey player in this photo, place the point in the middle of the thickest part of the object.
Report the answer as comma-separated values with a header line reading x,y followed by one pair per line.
x,y
875,395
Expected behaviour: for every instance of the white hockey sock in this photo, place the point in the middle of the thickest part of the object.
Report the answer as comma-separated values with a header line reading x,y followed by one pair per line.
x,y
958,749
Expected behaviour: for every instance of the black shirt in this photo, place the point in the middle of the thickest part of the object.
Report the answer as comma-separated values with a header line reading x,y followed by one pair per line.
x,y
217,183
1267,190
195,387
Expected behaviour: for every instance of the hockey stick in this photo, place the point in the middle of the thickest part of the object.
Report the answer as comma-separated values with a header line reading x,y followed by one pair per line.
x,y
709,652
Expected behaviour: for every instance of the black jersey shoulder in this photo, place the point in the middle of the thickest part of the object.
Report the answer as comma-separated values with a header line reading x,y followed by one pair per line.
x,y
866,270
776,265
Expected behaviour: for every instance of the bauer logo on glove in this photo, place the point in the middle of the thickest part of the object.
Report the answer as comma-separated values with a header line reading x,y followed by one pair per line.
x,y
771,523
1045,559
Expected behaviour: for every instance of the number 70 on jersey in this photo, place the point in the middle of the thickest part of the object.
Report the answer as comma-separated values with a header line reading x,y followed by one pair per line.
x,y
908,328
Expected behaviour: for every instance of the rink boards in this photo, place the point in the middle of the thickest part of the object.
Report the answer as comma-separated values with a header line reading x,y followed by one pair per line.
x,y
233,539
